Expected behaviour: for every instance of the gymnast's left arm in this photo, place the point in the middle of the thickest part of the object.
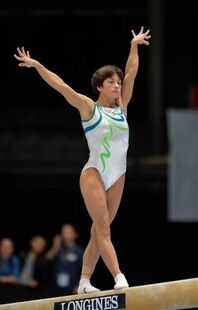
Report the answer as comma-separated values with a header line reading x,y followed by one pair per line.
x,y
132,64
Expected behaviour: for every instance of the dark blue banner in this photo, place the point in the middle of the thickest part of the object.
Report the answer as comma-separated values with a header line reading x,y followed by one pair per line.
x,y
110,302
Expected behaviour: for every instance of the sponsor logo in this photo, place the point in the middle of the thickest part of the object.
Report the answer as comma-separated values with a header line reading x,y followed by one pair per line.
x,y
111,302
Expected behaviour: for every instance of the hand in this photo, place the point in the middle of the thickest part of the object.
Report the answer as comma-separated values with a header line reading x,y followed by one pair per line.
x,y
32,283
141,37
25,59
57,241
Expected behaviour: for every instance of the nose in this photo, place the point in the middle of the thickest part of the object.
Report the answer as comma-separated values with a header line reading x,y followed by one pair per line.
x,y
116,84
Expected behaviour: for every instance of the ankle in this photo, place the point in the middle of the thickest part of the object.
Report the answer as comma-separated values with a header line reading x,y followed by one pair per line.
x,y
118,276
120,281
84,281
85,276
86,287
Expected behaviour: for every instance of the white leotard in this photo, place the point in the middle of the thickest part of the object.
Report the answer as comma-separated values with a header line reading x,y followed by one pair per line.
x,y
107,135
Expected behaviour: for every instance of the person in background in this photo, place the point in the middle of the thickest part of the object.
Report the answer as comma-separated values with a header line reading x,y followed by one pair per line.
x,y
9,262
66,257
34,271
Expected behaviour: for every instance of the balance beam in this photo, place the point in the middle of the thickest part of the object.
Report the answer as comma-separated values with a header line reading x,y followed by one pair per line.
x,y
181,294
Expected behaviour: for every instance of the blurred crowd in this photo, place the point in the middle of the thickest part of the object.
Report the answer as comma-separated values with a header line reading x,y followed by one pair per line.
x,y
56,266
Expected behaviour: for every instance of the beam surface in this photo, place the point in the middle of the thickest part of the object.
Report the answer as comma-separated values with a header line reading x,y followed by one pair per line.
x,y
180,294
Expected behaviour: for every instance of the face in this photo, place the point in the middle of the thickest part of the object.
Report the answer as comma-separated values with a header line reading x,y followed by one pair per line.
x,y
68,233
111,87
6,248
38,244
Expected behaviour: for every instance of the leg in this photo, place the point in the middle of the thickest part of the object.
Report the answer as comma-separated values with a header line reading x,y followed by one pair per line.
x,y
96,202
114,196
91,254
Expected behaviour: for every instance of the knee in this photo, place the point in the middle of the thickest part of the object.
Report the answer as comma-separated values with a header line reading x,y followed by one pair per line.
x,y
93,232
102,228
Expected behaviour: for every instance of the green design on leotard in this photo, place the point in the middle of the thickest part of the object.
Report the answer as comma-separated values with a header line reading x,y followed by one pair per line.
x,y
105,141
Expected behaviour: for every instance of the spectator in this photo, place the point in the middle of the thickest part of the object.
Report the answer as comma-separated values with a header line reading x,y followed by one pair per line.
x,y
34,263
9,262
66,257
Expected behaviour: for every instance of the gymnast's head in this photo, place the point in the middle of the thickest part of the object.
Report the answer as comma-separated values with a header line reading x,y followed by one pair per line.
x,y
108,77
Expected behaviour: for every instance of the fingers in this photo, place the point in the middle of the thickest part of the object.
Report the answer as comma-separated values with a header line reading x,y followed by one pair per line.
x,y
22,64
17,57
21,51
147,37
142,29
142,37
142,32
23,57
20,58
133,33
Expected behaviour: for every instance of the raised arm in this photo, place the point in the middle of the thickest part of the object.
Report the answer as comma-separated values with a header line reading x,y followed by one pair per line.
x,y
132,64
77,100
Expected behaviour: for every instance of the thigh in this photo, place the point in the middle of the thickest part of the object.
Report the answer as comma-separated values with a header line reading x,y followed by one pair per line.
x,y
94,195
114,196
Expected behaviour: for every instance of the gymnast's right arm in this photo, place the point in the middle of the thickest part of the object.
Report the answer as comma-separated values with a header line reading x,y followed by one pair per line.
x,y
81,102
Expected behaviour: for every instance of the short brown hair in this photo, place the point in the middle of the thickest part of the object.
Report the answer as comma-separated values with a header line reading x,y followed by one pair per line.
x,y
102,74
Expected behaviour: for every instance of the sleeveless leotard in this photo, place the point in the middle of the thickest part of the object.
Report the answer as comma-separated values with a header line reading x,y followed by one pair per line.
x,y
107,135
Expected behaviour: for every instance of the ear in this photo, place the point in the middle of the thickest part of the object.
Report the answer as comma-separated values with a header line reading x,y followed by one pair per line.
x,y
99,88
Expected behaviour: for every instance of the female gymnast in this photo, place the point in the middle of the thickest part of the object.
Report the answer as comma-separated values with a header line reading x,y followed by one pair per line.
x,y
105,126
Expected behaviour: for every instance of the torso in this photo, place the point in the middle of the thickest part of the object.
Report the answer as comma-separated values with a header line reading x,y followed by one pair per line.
x,y
107,136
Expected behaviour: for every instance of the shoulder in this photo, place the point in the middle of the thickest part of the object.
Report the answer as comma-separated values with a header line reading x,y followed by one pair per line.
x,y
87,108
120,102
86,100
123,107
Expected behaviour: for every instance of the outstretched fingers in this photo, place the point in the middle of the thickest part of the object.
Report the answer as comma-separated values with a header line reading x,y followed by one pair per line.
x,y
17,57
26,54
23,50
22,64
142,30
133,33
145,42
141,33
20,52
147,32
147,35
21,57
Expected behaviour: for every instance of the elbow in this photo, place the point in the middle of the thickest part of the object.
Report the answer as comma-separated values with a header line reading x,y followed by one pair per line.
x,y
61,87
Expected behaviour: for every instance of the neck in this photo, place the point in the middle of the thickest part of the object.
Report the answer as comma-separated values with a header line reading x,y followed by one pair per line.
x,y
106,102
